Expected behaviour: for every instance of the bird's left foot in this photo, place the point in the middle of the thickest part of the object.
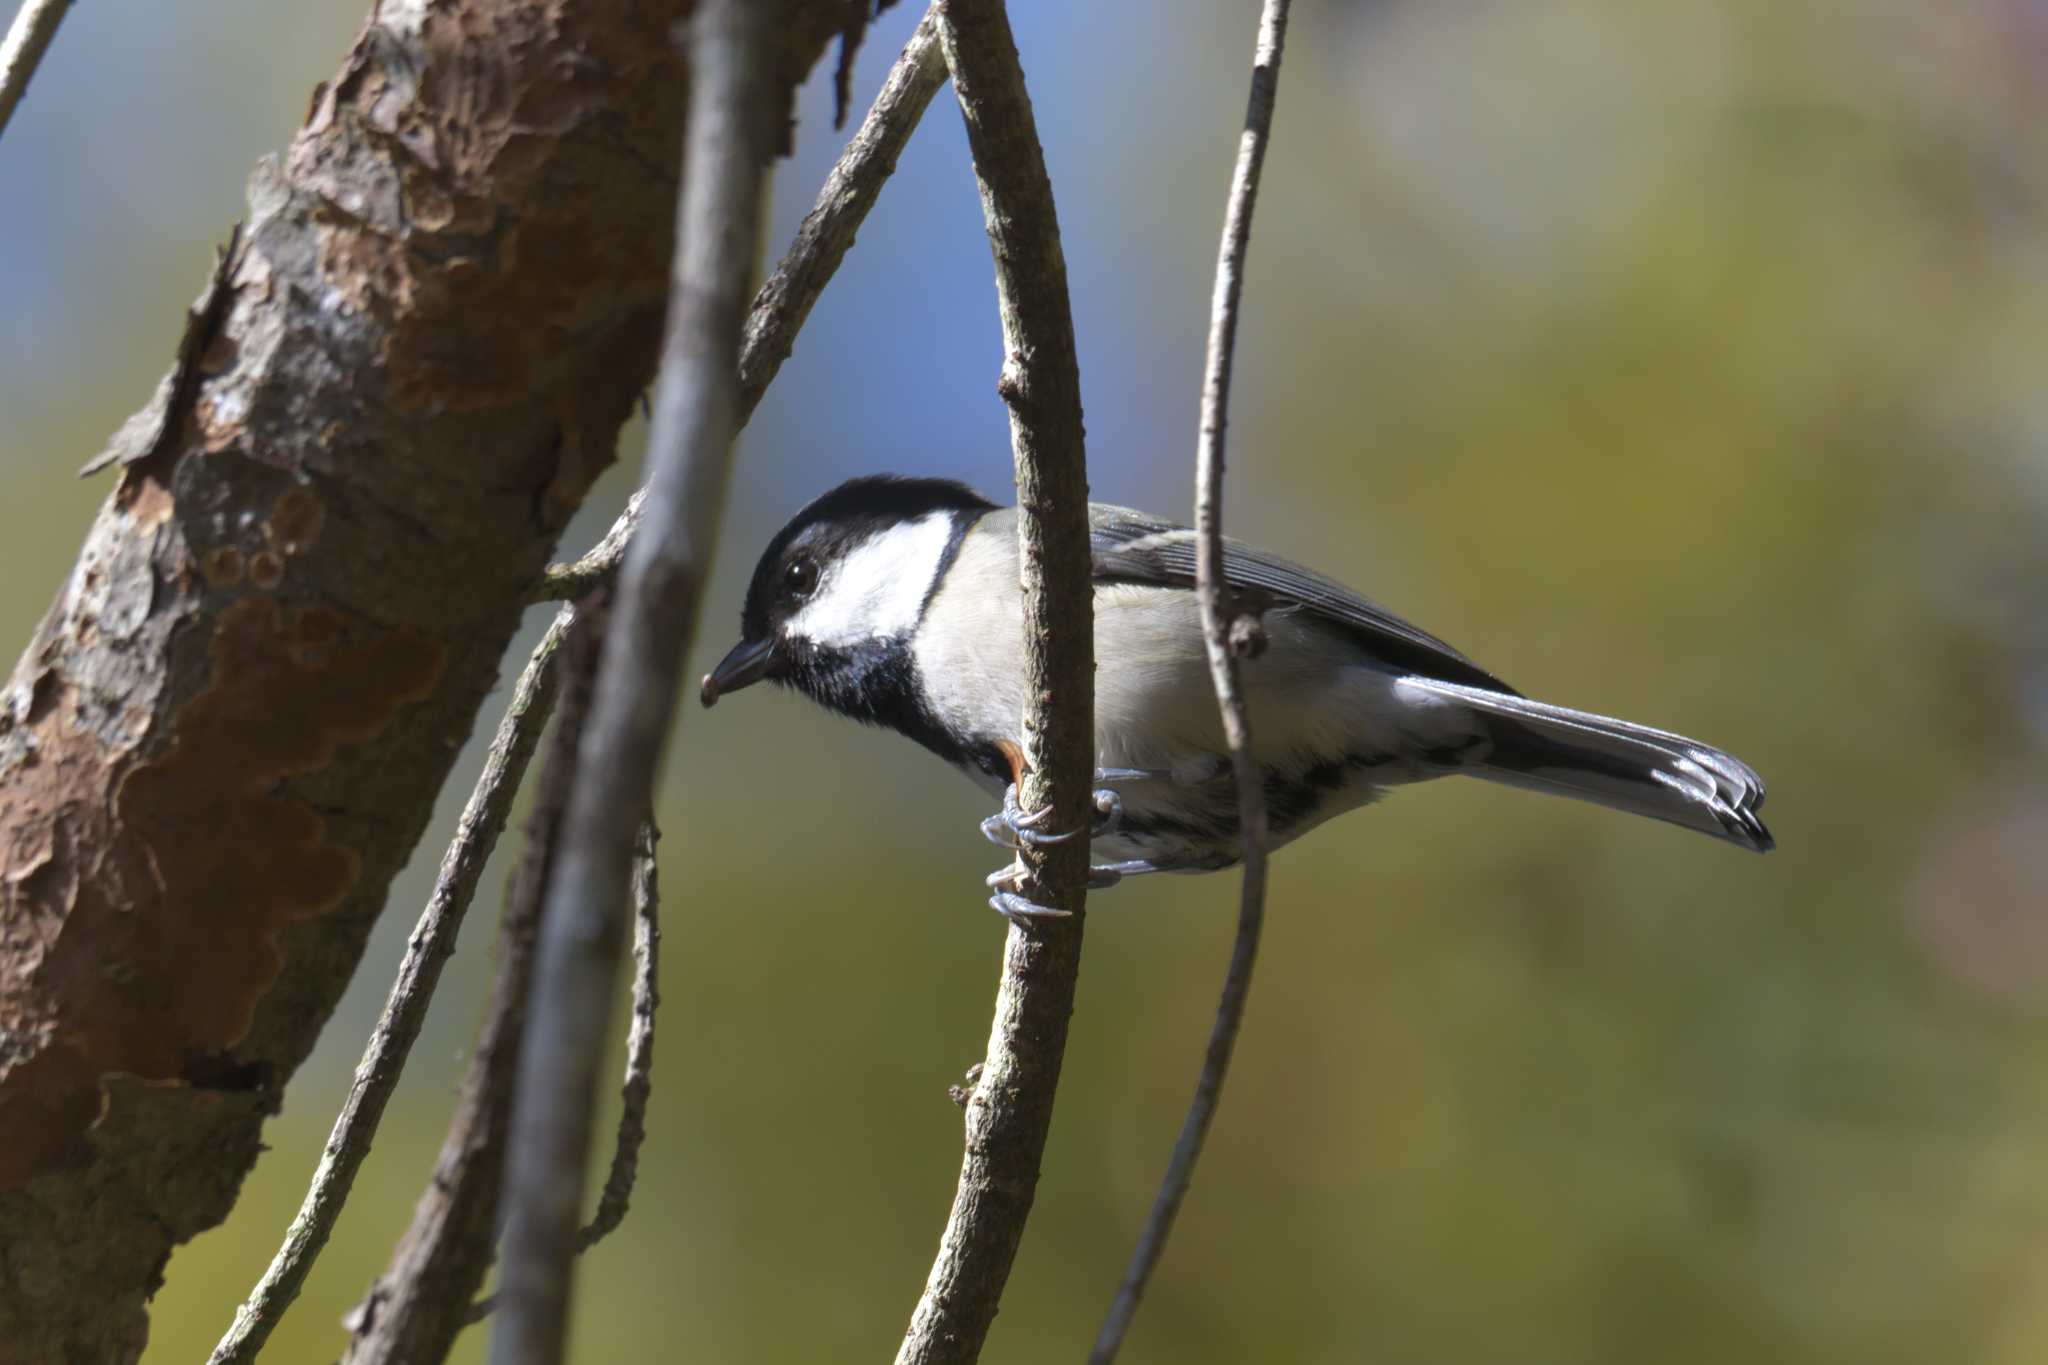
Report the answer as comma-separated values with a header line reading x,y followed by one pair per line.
x,y
1018,908
1022,912
1014,828
1014,906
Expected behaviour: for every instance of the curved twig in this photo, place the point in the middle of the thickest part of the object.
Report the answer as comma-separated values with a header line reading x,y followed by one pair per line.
x,y
696,414
28,38
638,1087
1219,617
1010,1110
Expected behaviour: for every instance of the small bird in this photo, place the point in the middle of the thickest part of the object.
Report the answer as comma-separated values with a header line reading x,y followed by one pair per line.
x,y
896,601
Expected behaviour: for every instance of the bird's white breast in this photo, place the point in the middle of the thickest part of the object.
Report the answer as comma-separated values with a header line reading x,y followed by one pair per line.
x,y
969,650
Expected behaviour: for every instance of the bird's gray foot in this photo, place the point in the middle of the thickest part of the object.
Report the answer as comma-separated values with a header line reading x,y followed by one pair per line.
x,y
1013,905
1014,828
1019,911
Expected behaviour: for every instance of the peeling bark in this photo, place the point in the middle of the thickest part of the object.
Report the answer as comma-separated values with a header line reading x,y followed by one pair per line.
x,y
228,732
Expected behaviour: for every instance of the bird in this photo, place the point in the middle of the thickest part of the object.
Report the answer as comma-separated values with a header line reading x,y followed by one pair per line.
x,y
896,601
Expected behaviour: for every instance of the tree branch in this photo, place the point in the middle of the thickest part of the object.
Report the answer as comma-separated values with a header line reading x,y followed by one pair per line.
x,y
784,303
1224,635
28,38
827,232
638,1087
696,413
415,1309
1009,1113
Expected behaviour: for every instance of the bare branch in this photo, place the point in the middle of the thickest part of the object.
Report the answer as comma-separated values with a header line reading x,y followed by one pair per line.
x,y
784,303
638,1086
1225,635
696,413
28,38
419,972
1009,1113
415,1309
827,232
599,564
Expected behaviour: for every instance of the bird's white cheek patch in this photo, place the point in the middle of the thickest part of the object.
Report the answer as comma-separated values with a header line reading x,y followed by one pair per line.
x,y
878,588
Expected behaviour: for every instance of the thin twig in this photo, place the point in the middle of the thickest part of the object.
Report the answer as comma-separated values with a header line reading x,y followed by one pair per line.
x,y
778,314
696,413
638,1086
427,951
417,1307
597,565
639,1083
826,234
28,38
782,305
1219,615
1010,1111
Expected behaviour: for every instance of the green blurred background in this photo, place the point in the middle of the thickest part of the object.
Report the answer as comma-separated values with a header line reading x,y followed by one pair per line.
x,y
1681,361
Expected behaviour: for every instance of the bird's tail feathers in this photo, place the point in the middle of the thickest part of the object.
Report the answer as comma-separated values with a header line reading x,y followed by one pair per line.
x,y
1614,763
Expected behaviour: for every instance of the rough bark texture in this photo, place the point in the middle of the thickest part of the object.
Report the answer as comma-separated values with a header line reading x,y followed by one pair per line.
x,y
228,732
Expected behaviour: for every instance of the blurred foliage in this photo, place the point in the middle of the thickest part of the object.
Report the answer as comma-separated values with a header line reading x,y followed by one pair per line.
x,y
1679,361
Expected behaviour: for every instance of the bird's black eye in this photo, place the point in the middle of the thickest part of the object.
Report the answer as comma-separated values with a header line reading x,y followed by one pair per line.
x,y
800,577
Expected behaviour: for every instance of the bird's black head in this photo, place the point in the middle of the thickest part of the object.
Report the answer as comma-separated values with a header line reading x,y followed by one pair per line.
x,y
839,590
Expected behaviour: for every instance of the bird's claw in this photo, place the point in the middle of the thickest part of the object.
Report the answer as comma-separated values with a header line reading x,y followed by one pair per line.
x,y
1021,912
1026,823
1012,904
1016,829
1100,877
999,832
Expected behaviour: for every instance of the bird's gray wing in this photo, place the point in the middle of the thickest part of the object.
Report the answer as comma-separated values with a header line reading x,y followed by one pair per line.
x,y
1132,547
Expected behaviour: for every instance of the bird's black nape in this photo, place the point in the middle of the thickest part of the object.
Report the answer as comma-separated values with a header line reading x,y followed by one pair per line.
x,y
854,510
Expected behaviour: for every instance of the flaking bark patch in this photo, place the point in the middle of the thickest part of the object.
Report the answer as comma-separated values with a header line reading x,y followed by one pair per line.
x,y
142,944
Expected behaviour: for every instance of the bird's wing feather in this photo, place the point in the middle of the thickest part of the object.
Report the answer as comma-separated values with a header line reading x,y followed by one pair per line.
x,y
1131,547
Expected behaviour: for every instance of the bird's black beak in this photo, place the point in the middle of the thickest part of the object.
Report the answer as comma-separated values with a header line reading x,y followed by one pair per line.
x,y
743,666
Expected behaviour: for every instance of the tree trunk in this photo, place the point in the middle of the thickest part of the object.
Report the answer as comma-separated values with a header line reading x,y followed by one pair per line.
x,y
228,732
